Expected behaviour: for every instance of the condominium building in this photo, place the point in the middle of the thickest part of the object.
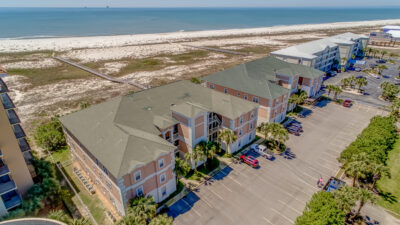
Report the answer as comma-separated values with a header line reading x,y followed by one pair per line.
x,y
324,53
268,81
127,146
15,155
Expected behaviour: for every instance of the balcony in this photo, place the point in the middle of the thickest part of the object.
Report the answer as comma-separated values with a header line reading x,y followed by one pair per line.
x,y
7,186
7,103
4,170
18,131
28,157
13,117
11,200
3,86
23,145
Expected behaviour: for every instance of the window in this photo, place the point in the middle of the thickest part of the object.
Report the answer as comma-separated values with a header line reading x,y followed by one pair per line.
x,y
109,185
105,170
241,120
240,132
252,115
161,163
164,191
97,162
212,86
255,99
162,178
239,144
225,90
245,96
250,137
251,126
138,175
139,191
238,94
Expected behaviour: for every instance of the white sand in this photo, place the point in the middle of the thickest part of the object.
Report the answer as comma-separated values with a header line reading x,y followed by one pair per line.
x,y
62,44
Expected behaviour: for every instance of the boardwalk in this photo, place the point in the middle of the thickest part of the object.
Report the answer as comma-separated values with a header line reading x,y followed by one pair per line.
x,y
215,49
102,75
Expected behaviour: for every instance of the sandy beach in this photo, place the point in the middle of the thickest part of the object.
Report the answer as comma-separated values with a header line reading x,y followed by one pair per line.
x,y
63,44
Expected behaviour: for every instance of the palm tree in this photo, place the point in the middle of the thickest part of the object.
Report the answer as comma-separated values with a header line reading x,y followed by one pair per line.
x,y
162,219
344,61
131,220
330,88
337,90
196,155
364,196
362,81
357,167
380,68
392,55
294,98
345,82
211,149
144,207
395,107
265,129
383,53
182,168
59,215
346,198
227,137
81,221
375,51
378,170
279,134
384,85
352,79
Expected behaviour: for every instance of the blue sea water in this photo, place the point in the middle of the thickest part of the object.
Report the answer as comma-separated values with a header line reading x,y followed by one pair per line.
x,y
60,22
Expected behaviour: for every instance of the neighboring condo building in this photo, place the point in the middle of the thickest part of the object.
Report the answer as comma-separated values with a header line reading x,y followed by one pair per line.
x,y
324,53
268,81
15,155
127,146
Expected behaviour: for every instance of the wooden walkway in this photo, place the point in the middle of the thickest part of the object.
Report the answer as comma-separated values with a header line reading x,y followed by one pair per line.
x,y
216,50
102,75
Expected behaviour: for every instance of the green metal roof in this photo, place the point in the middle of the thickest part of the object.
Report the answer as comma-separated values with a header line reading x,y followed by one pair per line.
x,y
258,77
123,133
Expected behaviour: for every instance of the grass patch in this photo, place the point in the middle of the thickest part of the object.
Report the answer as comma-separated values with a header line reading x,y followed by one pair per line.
x,y
60,155
38,77
188,57
202,170
148,64
389,187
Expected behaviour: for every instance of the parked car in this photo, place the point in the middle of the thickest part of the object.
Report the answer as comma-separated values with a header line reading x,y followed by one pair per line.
x,y
333,73
361,76
264,152
358,69
347,103
294,132
299,129
381,61
249,160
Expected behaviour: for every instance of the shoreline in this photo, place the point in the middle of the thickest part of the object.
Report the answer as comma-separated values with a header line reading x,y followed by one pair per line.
x,y
69,43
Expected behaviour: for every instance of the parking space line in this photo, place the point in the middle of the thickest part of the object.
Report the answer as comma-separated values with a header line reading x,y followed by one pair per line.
x,y
289,206
194,210
318,171
207,203
215,193
231,178
267,220
330,170
329,162
277,212
227,187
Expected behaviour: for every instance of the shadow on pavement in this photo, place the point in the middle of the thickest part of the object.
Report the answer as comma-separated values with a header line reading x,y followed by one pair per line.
x,y
288,154
322,103
183,205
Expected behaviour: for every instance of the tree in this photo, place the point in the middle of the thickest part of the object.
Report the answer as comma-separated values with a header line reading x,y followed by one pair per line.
x,y
375,51
50,135
81,221
52,189
389,91
380,68
195,80
395,107
322,209
162,219
211,149
265,129
336,90
227,137
59,215
378,170
345,82
362,81
144,207
294,98
352,80
344,60
182,168
392,55
131,219
383,53
196,155
364,196
346,198
330,88
277,132
357,167
43,168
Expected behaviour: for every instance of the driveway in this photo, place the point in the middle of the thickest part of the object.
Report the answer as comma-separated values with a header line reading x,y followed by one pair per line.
x,y
372,90
277,192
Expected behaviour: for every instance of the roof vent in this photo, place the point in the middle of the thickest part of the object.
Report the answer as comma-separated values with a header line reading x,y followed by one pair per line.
x,y
148,108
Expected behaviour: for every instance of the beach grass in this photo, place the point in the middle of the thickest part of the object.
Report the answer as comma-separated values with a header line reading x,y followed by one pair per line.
x,y
389,187
188,57
136,65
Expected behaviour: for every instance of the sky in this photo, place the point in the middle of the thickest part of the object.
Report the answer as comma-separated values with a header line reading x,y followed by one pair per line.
x,y
199,3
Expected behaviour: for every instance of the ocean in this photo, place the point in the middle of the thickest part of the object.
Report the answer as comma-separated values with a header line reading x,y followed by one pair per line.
x,y
66,22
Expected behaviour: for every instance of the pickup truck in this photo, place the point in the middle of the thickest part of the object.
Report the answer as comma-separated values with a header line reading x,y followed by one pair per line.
x,y
262,150
249,160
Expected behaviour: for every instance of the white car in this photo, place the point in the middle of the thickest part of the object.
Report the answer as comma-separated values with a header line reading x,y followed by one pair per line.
x,y
262,150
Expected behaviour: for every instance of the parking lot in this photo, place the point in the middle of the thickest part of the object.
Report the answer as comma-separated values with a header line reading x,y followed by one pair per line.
x,y
372,91
277,192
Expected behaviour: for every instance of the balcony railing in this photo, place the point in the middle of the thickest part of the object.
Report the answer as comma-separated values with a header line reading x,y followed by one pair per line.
x,y
176,136
4,170
23,145
3,86
7,103
13,117
7,186
12,202
18,131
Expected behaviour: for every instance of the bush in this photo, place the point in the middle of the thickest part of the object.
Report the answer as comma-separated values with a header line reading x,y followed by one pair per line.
x,y
50,135
375,140
322,209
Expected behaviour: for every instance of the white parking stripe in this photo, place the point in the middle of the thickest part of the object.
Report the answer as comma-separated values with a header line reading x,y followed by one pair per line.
x,y
231,178
215,193
290,207
194,210
277,212
267,220
226,187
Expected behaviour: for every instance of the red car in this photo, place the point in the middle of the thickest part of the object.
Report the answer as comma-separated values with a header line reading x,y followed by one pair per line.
x,y
346,103
249,160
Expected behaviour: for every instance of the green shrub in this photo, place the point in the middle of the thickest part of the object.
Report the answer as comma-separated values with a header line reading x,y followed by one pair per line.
x,y
50,135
